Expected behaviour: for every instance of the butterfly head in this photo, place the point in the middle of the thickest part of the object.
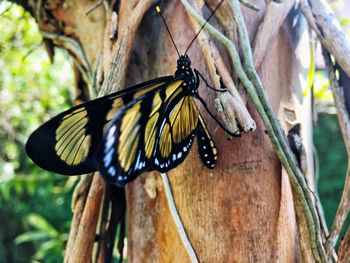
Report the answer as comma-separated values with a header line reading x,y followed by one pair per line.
x,y
183,61
184,67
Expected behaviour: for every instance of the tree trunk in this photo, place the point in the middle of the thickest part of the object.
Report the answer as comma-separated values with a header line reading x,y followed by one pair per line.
x,y
242,211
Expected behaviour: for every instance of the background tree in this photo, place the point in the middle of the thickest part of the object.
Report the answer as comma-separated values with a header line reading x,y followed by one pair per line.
x,y
242,210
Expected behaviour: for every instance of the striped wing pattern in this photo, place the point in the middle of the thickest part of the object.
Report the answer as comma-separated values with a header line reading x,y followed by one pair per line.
x,y
67,143
154,132
150,126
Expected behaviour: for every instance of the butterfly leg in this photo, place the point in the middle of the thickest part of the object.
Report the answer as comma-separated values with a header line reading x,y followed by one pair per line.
x,y
233,134
199,75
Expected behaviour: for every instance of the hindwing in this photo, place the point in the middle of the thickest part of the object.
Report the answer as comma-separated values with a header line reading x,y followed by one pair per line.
x,y
67,143
206,146
153,132
176,133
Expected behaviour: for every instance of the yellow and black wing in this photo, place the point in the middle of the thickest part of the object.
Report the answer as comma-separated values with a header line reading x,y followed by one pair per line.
x,y
153,132
67,143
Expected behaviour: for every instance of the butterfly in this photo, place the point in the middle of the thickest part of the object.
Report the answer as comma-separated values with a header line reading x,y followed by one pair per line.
x,y
149,126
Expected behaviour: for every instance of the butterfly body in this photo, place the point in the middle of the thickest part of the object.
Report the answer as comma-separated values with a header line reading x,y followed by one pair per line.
x,y
150,126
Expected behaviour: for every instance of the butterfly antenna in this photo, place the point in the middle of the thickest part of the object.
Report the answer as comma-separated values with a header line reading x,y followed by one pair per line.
x,y
167,28
211,15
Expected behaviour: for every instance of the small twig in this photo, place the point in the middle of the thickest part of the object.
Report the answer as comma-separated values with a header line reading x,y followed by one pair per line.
x,y
177,220
344,248
96,77
94,7
249,5
75,47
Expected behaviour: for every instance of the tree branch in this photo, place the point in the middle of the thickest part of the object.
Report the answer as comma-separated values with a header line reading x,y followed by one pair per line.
x,y
322,20
344,122
86,232
275,14
344,248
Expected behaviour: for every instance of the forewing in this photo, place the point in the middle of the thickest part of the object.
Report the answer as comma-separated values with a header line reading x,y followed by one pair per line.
x,y
206,146
67,143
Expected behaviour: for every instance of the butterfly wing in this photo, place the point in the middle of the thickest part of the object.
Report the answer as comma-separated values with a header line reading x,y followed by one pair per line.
x,y
154,132
176,133
206,147
67,143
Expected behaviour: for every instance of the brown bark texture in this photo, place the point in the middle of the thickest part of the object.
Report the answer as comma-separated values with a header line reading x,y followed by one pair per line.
x,y
242,211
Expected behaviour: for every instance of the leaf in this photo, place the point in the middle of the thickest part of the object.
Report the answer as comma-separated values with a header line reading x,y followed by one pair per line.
x,y
311,71
344,21
31,236
46,248
38,222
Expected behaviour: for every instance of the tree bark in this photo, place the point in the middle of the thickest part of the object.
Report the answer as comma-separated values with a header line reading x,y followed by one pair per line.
x,y
242,211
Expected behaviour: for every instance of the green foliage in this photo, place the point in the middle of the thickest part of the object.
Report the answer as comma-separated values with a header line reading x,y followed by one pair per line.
x,y
322,91
332,164
50,240
31,90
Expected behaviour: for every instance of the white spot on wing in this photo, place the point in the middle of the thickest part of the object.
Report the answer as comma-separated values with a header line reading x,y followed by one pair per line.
x,y
112,171
110,141
138,164
108,157
111,131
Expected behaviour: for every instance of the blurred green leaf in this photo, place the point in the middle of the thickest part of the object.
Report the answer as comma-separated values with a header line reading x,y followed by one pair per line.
x,y
31,236
344,21
311,70
39,222
322,87
34,203
46,248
